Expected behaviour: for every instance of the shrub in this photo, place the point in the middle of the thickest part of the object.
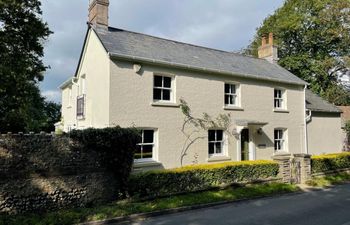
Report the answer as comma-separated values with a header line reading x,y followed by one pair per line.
x,y
199,177
329,162
115,147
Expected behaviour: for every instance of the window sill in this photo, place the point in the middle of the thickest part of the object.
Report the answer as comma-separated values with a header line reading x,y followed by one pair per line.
x,y
165,104
281,152
218,158
151,163
234,108
281,110
80,117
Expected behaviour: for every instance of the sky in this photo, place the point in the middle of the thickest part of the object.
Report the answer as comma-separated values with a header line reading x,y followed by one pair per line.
x,y
222,24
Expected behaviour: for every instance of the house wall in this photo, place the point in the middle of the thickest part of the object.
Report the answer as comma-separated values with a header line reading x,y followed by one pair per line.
x,y
131,105
69,107
324,133
95,68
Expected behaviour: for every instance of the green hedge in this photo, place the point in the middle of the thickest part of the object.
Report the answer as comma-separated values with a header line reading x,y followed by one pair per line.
x,y
329,162
199,177
115,148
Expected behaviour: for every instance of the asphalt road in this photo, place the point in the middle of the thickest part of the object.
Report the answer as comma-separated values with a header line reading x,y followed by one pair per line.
x,y
326,207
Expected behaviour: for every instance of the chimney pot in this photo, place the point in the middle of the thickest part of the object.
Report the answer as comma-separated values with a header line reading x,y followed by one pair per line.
x,y
268,51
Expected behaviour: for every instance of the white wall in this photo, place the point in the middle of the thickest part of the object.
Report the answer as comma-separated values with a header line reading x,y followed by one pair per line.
x,y
131,99
95,68
324,133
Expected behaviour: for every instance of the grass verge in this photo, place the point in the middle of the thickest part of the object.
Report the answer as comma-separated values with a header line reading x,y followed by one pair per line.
x,y
329,180
124,208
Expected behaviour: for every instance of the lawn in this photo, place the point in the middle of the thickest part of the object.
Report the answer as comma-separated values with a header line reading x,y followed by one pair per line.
x,y
128,207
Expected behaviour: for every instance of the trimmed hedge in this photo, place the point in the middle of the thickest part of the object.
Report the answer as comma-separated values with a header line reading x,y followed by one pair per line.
x,y
199,177
115,147
329,162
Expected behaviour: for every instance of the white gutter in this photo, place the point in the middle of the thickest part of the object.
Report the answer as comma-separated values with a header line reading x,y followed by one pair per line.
x,y
305,122
74,82
203,69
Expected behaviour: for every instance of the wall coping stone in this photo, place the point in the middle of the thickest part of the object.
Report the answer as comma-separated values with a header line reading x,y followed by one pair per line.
x,y
302,155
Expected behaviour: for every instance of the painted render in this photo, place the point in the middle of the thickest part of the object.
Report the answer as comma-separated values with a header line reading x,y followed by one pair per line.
x,y
324,134
132,106
94,68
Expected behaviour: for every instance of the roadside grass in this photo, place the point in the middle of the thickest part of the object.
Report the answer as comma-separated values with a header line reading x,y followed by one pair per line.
x,y
128,207
329,180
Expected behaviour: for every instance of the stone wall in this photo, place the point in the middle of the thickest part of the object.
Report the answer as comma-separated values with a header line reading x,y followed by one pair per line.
x,y
46,172
294,168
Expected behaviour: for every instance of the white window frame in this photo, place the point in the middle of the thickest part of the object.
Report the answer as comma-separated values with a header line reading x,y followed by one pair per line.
x,y
283,140
154,145
223,143
236,95
81,115
171,89
282,99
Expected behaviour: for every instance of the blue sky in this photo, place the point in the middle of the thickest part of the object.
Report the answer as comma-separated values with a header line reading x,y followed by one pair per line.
x,y
223,24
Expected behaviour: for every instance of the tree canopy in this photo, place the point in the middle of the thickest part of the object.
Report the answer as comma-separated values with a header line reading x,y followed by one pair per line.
x,y
313,38
22,36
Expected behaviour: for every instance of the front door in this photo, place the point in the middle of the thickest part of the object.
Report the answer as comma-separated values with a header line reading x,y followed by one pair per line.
x,y
245,144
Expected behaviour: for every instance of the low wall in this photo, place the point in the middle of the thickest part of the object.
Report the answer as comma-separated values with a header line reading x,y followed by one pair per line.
x,y
294,168
47,172
331,172
51,193
299,168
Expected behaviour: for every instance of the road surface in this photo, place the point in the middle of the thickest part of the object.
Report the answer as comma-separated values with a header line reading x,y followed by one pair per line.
x,y
326,207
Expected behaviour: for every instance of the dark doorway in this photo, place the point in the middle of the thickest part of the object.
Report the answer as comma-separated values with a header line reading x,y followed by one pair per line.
x,y
245,144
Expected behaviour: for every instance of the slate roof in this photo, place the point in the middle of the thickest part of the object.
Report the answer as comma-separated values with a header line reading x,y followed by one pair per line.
x,y
317,104
141,47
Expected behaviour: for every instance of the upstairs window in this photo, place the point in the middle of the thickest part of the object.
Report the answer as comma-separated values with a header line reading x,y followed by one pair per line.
x,y
279,99
145,148
162,88
231,94
279,138
215,142
81,107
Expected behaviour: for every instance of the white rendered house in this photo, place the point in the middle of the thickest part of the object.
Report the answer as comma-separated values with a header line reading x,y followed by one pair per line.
x,y
131,79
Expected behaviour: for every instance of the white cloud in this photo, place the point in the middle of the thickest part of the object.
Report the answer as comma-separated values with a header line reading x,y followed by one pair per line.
x,y
51,95
222,24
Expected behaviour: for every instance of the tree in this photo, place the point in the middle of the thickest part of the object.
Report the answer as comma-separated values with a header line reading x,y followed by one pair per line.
x,y
313,38
52,112
22,34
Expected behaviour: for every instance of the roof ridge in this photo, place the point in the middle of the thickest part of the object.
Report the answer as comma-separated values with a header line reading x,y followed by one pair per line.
x,y
184,43
133,45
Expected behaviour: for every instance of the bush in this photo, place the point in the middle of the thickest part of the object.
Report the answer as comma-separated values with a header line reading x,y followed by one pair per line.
x,y
329,162
115,147
199,177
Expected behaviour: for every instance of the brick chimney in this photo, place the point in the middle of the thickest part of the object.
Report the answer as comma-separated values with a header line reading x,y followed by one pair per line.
x,y
268,50
98,13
